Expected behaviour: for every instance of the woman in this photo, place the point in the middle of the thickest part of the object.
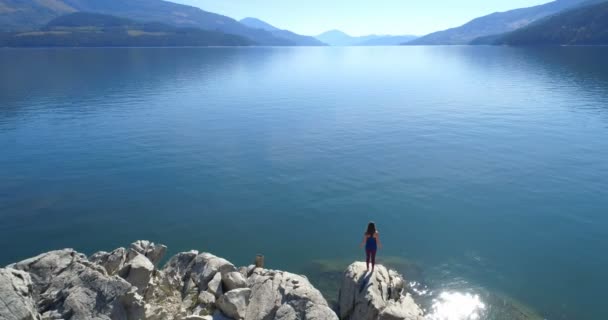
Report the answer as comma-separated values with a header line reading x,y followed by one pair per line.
x,y
371,240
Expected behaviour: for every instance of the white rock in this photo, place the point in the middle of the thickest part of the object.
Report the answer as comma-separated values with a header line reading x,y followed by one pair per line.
x,y
163,298
205,266
233,280
366,296
44,267
271,290
177,268
16,296
67,285
64,284
243,272
250,269
403,309
234,303
138,272
206,298
154,252
286,312
111,261
215,285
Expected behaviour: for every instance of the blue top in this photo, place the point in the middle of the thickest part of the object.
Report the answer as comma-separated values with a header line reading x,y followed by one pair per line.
x,y
370,243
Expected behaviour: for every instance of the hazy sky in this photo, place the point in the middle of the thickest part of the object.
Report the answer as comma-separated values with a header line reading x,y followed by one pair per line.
x,y
359,17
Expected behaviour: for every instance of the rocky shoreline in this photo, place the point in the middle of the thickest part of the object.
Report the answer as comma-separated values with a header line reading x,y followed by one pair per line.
x,y
128,284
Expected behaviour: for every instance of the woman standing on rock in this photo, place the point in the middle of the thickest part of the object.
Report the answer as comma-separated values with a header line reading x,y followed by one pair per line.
x,y
371,240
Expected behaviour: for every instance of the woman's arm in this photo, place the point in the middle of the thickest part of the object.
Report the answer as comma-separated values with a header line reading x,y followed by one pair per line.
x,y
378,240
363,242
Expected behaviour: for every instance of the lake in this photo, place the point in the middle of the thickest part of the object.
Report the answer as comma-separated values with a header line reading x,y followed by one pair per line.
x,y
485,168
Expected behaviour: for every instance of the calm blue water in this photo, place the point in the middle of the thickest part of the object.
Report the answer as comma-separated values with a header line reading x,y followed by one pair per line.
x,y
485,167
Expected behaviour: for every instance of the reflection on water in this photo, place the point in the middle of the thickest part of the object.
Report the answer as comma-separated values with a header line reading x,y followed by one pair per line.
x,y
458,300
456,306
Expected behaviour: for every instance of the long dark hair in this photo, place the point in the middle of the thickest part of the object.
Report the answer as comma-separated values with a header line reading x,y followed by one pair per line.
x,y
371,229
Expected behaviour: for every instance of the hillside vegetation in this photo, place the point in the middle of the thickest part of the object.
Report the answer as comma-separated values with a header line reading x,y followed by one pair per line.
x,y
497,23
83,29
581,26
27,15
295,38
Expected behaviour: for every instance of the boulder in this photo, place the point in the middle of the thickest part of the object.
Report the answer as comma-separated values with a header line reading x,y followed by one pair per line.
x,y
67,285
164,297
286,312
378,295
111,261
114,261
303,310
134,304
205,304
206,298
138,272
16,296
272,290
403,309
234,280
234,303
154,252
215,285
178,268
205,266
178,286
45,267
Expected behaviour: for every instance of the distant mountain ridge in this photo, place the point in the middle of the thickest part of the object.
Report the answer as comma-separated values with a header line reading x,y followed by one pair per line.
x,y
587,25
388,40
30,15
496,23
297,39
339,38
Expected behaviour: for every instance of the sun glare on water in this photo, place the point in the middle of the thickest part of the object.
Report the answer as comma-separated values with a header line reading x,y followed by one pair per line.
x,y
456,306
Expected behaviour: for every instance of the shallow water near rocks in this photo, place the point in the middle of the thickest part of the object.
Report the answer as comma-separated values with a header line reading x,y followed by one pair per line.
x,y
440,301
484,167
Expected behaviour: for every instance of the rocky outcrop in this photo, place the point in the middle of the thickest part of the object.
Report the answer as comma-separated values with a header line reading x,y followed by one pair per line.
x,y
154,252
234,303
285,296
66,285
16,291
138,272
378,295
111,261
125,284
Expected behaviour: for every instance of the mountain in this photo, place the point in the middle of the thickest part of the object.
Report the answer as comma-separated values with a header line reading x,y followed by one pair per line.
x,y
339,38
388,40
81,29
580,26
258,24
297,39
496,23
19,15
